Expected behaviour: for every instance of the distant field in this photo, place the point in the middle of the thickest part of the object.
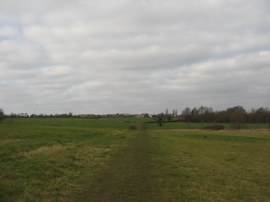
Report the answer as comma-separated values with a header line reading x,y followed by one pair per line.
x,y
116,123
102,160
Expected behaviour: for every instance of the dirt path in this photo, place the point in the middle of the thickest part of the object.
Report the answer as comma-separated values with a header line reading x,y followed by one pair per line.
x,y
128,178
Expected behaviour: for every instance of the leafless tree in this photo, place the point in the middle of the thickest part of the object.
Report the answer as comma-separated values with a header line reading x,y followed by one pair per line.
x,y
2,115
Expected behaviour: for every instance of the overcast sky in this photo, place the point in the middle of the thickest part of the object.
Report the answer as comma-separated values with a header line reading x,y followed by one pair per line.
x,y
133,56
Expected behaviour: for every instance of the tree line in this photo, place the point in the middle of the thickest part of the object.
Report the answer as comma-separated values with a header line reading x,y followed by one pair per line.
x,y
202,114
70,115
235,115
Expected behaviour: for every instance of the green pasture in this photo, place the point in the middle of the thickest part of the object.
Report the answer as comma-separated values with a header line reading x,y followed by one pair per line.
x,y
103,160
116,123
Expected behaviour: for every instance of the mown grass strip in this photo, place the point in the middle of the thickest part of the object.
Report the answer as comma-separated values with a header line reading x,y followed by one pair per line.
x,y
128,177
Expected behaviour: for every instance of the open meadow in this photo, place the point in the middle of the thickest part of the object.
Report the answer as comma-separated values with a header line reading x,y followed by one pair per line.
x,y
103,160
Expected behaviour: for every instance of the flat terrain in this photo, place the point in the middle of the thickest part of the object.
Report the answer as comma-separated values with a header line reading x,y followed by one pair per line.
x,y
102,160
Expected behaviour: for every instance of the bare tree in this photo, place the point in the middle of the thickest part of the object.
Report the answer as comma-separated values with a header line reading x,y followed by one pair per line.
x,y
237,116
186,114
2,115
175,112
160,118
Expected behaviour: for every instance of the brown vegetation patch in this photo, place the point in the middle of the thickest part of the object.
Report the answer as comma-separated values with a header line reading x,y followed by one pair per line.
x,y
8,141
45,150
214,127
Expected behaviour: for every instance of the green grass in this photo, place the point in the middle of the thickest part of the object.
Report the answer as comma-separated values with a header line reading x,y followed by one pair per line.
x,y
116,123
101,160
45,162
214,166
183,125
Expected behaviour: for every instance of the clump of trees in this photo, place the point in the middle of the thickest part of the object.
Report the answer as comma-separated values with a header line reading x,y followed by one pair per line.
x,y
234,114
261,115
237,115
2,114
201,114
165,117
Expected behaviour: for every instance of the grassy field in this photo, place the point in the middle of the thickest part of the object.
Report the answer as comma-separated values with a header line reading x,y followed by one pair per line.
x,y
118,123
102,160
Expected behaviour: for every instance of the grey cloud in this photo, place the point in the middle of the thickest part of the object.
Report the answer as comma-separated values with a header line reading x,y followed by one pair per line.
x,y
133,56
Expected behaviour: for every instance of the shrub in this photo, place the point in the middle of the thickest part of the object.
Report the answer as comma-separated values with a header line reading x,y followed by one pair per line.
x,y
132,127
214,127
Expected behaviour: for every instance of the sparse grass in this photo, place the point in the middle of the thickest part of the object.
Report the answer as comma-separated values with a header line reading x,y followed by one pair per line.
x,y
69,160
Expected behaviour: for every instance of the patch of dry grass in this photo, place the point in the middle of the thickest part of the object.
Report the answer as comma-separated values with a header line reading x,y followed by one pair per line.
x,y
45,150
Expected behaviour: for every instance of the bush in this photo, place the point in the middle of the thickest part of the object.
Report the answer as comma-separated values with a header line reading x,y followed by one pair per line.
x,y
214,127
132,127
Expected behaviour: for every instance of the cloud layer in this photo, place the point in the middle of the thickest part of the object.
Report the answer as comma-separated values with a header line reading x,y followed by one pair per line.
x,y
102,56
